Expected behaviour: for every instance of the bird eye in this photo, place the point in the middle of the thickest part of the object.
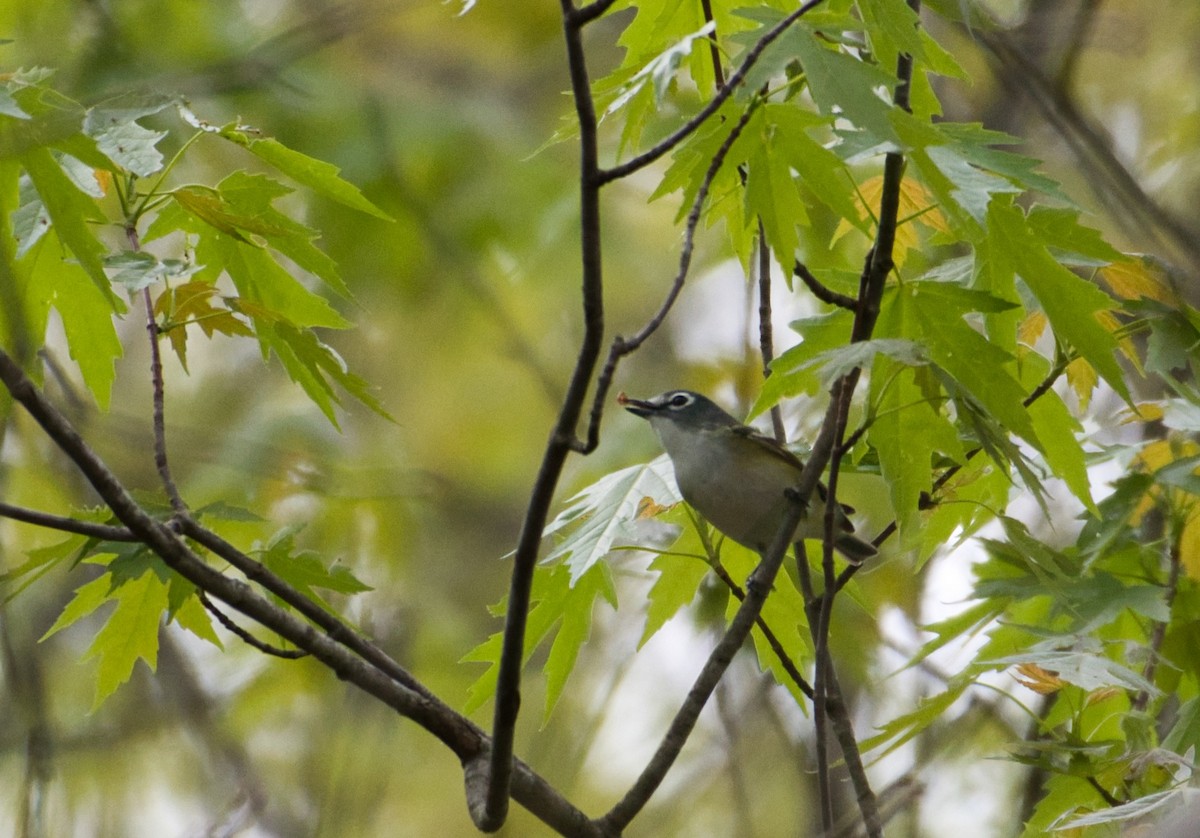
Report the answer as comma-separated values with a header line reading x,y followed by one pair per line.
x,y
680,400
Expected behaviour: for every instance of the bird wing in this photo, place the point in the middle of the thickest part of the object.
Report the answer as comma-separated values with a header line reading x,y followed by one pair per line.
x,y
771,445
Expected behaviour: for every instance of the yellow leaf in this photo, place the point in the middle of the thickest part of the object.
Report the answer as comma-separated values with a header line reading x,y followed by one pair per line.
x,y
1144,412
648,507
1134,278
1154,456
1102,694
1041,681
1112,325
1189,542
1032,328
1081,375
916,205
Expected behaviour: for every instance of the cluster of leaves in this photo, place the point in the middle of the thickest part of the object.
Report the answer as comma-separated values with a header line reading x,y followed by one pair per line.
x,y
82,189
999,293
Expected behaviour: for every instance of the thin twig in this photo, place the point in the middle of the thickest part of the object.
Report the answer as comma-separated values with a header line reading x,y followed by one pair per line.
x,y
1158,635
105,532
766,329
246,637
624,346
776,646
156,377
337,630
820,290
724,92
586,14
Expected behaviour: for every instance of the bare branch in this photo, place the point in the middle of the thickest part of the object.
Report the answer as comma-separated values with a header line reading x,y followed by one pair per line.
x,y
246,637
106,532
508,680
586,14
820,291
624,346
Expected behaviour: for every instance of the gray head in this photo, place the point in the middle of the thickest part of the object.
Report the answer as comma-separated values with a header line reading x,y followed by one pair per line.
x,y
682,407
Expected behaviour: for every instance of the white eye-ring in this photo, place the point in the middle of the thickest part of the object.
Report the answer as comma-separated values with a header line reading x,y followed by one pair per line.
x,y
680,400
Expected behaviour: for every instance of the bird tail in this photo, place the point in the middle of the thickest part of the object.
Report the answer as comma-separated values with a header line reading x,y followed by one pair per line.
x,y
854,548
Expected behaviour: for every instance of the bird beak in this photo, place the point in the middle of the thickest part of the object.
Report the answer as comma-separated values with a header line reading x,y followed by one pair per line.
x,y
636,406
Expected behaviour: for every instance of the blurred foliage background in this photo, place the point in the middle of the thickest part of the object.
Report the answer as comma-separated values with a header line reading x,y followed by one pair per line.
x,y
467,313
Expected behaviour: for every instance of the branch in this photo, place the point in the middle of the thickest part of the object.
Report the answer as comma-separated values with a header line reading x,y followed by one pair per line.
x,y
246,637
1159,633
105,532
772,641
820,291
337,630
156,378
465,739
160,426
766,330
586,14
624,346
724,92
1111,181
508,680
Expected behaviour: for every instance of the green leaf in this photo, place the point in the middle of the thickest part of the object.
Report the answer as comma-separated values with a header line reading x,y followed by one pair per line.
x,y
783,612
135,270
87,599
1059,431
1070,303
70,211
113,125
603,513
304,570
896,28
312,364
659,71
967,623
771,194
552,594
87,315
130,633
249,198
834,363
1085,669
262,280
792,373
317,175
971,188
904,434
679,579
573,631
936,311
185,609
822,171
844,85
977,145
1134,809
929,710
223,511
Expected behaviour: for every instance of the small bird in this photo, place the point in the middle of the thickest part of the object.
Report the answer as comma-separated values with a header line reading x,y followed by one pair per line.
x,y
733,475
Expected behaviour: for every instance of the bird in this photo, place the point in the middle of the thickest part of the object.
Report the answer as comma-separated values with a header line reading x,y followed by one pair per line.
x,y
734,476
